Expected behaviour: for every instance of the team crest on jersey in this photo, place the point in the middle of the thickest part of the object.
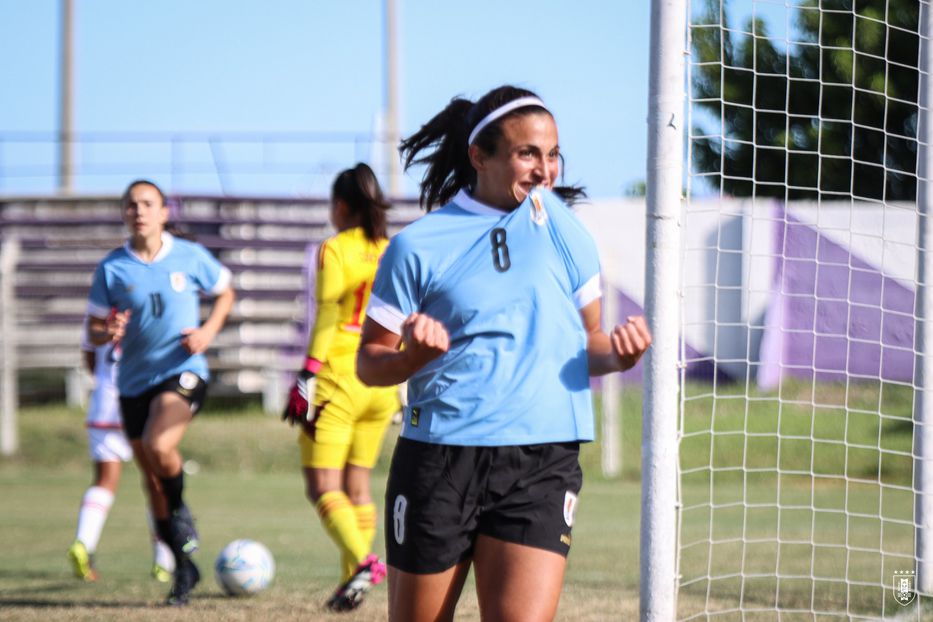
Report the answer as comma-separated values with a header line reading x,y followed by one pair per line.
x,y
179,281
538,215
570,507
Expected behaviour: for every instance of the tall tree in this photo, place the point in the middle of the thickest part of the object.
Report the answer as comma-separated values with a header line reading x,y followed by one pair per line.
x,y
831,112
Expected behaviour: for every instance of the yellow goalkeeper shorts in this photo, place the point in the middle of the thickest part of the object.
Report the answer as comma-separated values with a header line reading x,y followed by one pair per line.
x,y
350,421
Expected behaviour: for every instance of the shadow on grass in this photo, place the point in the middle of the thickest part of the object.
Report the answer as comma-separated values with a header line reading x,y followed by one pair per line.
x,y
13,573
216,596
41,589
34,603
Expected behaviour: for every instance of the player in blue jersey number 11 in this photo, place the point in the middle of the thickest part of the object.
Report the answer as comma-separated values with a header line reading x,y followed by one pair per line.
x,y
154,282
489,307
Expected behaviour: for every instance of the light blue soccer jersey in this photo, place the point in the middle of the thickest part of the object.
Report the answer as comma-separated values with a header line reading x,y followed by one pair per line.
x,y
508,287
162,297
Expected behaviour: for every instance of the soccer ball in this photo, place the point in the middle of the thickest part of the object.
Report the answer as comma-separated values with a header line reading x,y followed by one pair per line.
x,y
244,567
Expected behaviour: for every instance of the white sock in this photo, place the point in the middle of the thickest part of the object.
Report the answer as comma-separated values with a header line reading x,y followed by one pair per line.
x,y
94,509
161,554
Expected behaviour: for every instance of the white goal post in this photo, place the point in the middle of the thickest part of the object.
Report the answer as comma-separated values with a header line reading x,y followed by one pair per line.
x,y
923,333
787,451
662,305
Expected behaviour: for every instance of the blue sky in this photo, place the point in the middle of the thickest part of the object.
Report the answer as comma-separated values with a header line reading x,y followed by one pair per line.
x,y
293,67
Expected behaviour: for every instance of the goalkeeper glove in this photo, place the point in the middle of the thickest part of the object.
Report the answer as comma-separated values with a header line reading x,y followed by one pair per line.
x,y
298,409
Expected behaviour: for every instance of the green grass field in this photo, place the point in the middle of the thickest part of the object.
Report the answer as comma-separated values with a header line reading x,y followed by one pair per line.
x,y
774,536
248,486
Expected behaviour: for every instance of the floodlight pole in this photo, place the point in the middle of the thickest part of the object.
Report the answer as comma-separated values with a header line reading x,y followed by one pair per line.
x,y
66,92
391,97
611,440
923,327
668,43
9,435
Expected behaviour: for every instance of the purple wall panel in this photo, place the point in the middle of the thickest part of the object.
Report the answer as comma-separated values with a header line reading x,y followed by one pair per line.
x,y
833,313
699,366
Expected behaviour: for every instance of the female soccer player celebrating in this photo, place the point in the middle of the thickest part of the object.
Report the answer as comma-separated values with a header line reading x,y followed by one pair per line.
x,y
341,437
489,307
153,281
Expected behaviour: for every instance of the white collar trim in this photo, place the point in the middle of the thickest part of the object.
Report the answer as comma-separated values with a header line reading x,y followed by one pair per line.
x,y
167,241
465,201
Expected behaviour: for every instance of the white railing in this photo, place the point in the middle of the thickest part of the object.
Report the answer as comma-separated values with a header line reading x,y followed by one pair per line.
x,y
299,163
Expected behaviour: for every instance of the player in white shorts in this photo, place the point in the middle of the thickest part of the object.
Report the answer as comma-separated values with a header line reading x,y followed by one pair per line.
x,y
109,448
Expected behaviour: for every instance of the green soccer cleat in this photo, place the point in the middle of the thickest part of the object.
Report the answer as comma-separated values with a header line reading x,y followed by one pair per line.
x,y
160,574
82,562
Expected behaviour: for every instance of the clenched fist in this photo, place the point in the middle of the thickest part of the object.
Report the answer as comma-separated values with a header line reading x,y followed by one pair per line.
x,y
630,341
424,339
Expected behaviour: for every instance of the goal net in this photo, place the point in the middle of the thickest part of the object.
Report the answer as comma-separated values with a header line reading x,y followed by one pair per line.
x,y
800,454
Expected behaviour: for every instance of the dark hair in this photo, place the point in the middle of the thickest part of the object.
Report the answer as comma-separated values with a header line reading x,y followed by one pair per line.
x,y
359,189
177,231
171,227
448,162
142,182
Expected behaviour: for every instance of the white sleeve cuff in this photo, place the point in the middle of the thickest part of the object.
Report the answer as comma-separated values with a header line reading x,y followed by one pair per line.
x,y
98,311
86,346
588,292
385,315
223,282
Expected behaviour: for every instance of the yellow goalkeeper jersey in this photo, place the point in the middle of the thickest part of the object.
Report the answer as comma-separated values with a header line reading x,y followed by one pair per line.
x,y
345,271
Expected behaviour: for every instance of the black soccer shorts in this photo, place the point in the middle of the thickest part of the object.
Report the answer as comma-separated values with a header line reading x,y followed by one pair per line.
x,y
440,497
135,409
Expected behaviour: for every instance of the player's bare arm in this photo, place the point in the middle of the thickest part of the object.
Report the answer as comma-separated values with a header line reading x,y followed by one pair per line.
x,y
90,361
197,340
101,330
385,358
618,351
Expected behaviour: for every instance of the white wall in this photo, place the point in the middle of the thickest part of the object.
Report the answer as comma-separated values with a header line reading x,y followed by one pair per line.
x,y
730,259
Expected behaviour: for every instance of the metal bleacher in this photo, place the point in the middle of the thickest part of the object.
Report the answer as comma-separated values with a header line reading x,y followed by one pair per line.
x,y
268,244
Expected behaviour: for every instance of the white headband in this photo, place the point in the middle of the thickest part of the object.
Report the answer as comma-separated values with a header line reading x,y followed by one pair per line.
x,y
521,102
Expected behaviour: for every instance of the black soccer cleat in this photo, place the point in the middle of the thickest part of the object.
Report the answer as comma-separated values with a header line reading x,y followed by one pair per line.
x,y
183,532
186,577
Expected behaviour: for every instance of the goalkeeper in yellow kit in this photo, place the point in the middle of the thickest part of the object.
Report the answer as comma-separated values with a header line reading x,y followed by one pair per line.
x,y
344,421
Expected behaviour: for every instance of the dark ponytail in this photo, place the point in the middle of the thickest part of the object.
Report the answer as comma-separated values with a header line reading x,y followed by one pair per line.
x,y
448,163
445,138
359,189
